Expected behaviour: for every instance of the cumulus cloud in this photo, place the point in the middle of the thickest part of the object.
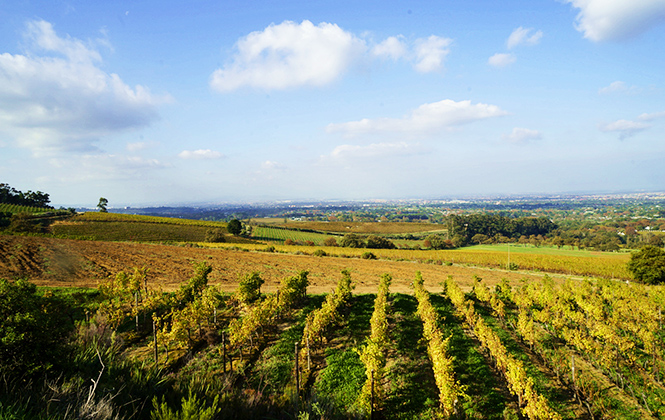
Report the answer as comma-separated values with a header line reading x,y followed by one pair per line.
x,y
289,54
522,135
652,116
501,60
602,20
625,128
426,119
55,97
200,154
628,128
523,36
430,53
392,47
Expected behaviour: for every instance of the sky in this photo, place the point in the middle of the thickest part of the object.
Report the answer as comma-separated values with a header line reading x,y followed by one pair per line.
x,y
162,103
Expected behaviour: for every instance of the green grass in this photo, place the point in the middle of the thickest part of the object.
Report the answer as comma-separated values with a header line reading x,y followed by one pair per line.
x,y
413,393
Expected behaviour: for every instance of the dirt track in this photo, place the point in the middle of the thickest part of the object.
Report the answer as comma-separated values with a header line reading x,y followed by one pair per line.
x,y
61,262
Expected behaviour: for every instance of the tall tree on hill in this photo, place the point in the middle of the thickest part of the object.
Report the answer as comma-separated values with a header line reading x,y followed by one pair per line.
x,y
234,227
102,204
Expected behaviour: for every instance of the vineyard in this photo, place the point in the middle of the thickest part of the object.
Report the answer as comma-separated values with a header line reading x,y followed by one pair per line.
x,y
580,263
16,208
122,227
533,349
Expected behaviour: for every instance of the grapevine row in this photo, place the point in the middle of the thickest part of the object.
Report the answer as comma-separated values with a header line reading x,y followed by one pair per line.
x,y
450,389
373,354
321,319
560,359
532,404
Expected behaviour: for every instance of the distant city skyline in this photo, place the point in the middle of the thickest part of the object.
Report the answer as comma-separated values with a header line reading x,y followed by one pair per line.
x,y
168,102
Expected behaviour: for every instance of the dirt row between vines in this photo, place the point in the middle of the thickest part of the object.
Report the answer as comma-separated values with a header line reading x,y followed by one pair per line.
x,y
63,262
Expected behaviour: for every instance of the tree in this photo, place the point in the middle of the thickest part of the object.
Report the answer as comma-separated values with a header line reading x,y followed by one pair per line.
x,y
377,242
234,227
648,265
102,204
351,240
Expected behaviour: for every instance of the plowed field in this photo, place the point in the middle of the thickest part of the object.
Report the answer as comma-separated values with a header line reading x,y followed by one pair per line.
x,y
63,262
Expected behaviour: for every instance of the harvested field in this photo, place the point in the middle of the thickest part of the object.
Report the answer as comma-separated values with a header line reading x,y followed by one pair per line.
x,y
64,262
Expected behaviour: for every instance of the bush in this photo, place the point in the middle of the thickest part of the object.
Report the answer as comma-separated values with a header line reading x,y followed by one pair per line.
x,y
215,235
249,288
32,329
377,242
330,241
289,242
351,240
368,256
319,253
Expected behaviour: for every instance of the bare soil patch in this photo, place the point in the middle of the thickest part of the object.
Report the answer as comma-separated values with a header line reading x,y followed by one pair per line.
x,y
65,262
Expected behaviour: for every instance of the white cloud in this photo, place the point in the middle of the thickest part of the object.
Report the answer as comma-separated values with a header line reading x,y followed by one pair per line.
x,y
501,60
603,20
430,53
652,116
289,54
427,118
392,47
56,97
619,87
523,36
625,128
200,154
522,135
348,151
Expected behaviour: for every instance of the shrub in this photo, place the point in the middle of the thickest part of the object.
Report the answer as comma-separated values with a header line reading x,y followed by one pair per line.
x,y
351,240
368,256
330,241
249,287
377,242
215,235
289,242
32,329
319,253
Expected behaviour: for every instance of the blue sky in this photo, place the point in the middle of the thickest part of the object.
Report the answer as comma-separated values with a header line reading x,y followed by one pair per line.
x,y
161,102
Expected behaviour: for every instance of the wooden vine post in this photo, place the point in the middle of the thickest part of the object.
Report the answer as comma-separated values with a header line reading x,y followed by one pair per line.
x,y
224,351
154,338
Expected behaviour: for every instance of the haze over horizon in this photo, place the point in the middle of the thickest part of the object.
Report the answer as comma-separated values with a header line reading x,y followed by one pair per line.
x,y
171,102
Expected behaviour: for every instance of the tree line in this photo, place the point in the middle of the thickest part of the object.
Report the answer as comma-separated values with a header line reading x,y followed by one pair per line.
x,y
10,195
